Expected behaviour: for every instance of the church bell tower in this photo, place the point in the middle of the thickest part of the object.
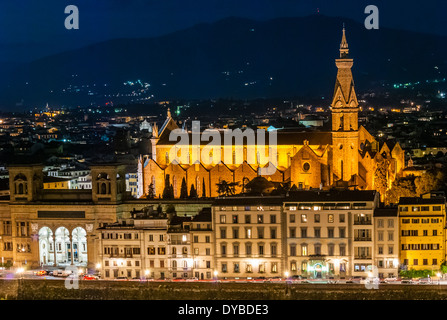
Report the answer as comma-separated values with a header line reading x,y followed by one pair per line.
x,y
345,109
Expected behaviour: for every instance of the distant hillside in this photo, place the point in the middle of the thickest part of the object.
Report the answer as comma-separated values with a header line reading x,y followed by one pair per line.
x,y
233,57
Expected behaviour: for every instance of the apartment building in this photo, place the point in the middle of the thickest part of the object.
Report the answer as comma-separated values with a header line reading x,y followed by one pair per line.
x,y
134,248
202,244
329,233
248,237
422,234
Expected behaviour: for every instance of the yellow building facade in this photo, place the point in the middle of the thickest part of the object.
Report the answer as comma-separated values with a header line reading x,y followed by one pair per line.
x,y
421,233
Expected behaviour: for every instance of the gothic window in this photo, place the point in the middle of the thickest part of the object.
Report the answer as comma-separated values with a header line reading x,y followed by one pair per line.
x,y
103,188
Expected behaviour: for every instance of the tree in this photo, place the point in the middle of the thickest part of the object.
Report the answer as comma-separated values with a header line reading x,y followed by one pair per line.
x,y
294,188
403,187
151,191
429,181
259,185
168,191
203,188
381,177
170,208
183,190
193,192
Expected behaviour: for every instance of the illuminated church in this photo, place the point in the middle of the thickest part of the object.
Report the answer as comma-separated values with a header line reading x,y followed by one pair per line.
x,y
347,156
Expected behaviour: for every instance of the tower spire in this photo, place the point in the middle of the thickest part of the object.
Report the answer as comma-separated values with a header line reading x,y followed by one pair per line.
x,y
169,113
344,50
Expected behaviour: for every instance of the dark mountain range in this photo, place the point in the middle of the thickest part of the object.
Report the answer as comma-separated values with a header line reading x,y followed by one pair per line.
x,y
233,57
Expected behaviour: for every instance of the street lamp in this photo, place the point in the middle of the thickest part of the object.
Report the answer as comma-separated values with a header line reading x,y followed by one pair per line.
x,y
215,274
147,273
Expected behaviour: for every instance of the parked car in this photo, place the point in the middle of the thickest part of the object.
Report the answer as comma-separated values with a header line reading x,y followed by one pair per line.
x,y
121,279
332,280
425,280
356,279
391,280
41,273
89,277
407,281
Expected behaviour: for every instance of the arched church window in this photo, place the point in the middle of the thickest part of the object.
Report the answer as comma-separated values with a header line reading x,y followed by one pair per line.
x,y
103,188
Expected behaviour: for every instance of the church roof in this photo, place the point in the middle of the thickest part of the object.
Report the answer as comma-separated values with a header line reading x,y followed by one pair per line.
x,y
314,138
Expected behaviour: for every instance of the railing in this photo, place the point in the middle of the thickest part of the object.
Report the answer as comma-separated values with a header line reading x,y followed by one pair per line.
x,y
362,222
359,257
362,239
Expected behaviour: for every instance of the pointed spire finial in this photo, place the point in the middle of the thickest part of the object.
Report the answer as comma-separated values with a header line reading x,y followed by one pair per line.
x,y
169,112
344,51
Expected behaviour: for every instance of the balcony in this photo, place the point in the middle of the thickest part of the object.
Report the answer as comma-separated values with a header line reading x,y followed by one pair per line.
x,y
362,222
362,239
362,257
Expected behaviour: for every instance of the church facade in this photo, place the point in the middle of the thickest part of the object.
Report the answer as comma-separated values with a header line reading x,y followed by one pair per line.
x,y
346,156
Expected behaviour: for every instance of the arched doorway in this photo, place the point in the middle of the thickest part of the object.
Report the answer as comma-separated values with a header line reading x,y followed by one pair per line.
x,y
46,249
79,241
63,246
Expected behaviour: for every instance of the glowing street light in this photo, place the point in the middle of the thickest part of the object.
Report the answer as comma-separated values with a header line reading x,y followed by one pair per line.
x,y
98,266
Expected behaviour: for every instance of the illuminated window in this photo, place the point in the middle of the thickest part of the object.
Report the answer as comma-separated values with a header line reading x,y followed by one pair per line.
x,y
304,250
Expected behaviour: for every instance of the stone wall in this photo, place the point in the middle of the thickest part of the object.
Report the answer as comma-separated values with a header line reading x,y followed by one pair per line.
x,y
130,290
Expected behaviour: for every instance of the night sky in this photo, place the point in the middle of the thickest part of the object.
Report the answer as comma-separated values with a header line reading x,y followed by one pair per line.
x,y
30,29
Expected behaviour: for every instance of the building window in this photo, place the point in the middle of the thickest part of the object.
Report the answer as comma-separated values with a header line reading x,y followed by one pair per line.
x,y
248,233
223,218
330,218
303,218
317,232
293,250
304,250
235,218
341,232
380,223
292,218
236,250
273,250
247,218
260,218
390,223
248,249
303,232
330,249
330,232
341,218
292,232
261,249
272,233
317,218
260,232
223,233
